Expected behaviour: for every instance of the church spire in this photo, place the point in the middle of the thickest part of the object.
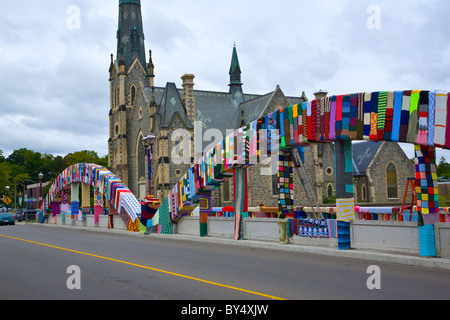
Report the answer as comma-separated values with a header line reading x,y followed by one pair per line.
x,y
130,35
235,77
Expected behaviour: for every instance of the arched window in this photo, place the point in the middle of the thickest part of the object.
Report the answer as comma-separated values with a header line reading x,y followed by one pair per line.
x,y
133,95
330,191
363,193
141,159
391,177
116,100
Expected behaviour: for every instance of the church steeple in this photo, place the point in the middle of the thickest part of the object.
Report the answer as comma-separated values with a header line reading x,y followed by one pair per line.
x,y
235,77
130,35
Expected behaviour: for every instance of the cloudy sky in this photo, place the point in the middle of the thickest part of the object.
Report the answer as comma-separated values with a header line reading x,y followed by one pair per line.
x,y
54,79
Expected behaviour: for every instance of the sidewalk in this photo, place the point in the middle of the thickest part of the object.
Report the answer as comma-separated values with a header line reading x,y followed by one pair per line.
x,y
427,262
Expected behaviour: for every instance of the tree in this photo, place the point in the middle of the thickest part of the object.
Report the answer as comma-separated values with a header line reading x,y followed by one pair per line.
x,y
85,156
443,168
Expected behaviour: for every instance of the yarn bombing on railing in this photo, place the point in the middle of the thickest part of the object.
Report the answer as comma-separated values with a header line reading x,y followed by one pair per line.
x,y
105,183
413,116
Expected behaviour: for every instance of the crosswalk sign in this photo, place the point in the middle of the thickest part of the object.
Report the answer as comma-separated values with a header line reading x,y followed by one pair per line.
x,y
7,200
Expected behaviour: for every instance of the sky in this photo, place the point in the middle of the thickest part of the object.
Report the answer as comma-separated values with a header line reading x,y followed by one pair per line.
x,y
55,56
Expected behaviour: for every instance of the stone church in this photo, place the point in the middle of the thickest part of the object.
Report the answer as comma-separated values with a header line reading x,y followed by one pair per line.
x,y
176,114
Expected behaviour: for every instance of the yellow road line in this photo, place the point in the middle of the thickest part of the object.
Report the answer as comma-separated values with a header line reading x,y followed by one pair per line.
x,y
148,268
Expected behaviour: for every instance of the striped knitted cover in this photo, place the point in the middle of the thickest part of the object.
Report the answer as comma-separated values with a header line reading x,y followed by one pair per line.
x,y
353,116
314,120
447,135
381,114
387,134
339,102
423,110
333,118
431,117
327,118
440,118
397,115
413,126
404,120
344,180
295,124
360,117
367,118
374,116
346,117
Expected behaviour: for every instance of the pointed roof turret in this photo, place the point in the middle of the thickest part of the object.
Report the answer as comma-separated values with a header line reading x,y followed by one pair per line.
x,y
235,68
235,78
130,33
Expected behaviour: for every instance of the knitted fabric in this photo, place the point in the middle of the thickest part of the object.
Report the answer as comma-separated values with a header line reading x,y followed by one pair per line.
x,y
423,110
426,180
431,117
339,102
397,114
353,116
381,114
285,184
374,116
413,126
333,118
367,117
360,117
389,117
447,135
346,117
404,119
440,118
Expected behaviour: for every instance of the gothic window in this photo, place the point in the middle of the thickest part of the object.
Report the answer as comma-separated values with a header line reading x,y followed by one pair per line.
x,y
391,176
141,159
116,97
133,94
330,191
363,193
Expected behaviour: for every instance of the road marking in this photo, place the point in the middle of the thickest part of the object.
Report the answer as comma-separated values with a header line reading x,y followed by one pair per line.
x,y
148,268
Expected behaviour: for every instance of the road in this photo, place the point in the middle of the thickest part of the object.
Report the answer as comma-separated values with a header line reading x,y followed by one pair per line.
x,y
34,263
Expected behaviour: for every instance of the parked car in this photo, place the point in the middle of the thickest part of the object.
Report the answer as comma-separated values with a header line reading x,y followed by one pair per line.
x,y
29,215
19,216
7,218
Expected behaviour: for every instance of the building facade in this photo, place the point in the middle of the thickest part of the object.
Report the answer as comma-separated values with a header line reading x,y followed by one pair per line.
x,y
186,120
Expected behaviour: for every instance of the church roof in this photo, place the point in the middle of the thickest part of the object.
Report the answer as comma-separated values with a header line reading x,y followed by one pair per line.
x,y
363,154
216,110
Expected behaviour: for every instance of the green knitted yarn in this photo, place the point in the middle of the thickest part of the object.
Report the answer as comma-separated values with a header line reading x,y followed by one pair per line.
x,y
164,218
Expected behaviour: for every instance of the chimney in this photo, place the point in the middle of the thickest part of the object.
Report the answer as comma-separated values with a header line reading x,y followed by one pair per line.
x,y
188,97
320,94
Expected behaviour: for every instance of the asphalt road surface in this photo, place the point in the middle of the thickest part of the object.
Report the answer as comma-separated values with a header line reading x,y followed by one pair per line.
x,y
37,262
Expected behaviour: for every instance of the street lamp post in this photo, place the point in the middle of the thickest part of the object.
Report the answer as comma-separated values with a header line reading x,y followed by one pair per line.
x,y
148,143
40,175
7,194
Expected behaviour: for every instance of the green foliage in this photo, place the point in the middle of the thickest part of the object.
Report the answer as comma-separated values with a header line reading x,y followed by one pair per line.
x,y
443,169
23,166
85,157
